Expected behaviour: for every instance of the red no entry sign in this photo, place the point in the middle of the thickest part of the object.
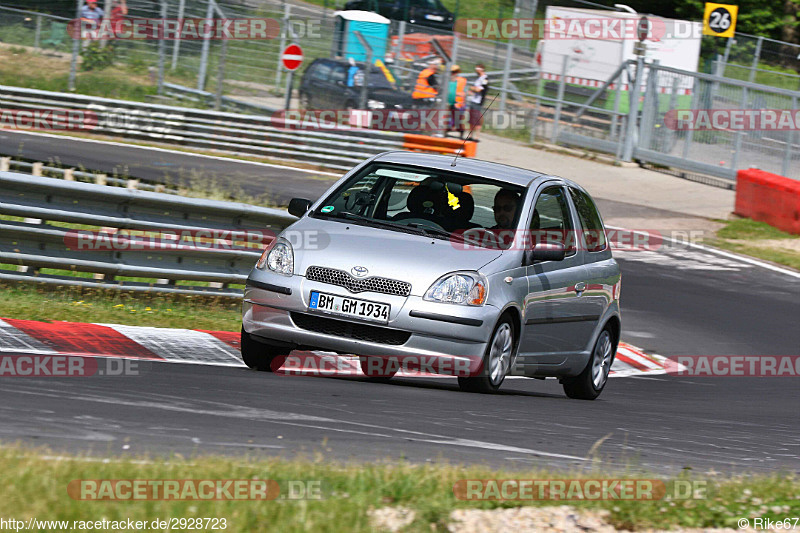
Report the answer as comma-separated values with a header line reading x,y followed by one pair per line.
x,y
292,57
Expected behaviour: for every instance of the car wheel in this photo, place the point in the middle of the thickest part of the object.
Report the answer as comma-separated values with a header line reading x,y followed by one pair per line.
x,y
375,368
590,383
260,356
496,362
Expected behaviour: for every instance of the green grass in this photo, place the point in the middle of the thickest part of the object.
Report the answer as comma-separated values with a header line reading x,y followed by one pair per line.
x,y
29,301
349,492
743,236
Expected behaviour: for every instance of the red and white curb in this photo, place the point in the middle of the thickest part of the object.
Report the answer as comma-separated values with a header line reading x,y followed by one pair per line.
x,y
199,347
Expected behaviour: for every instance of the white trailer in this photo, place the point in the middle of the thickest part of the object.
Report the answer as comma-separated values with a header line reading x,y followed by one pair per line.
x,y
596,42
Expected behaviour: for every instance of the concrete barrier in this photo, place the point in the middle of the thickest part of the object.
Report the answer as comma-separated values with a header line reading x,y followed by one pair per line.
x,y
768,198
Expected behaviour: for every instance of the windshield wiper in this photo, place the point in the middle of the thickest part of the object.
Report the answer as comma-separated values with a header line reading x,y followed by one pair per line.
x,y
377,223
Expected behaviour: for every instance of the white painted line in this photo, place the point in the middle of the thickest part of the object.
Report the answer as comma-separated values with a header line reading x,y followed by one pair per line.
x,y
722,253
167,150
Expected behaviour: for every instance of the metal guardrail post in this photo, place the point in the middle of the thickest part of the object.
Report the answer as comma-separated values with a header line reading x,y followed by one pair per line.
x,y
506,69
176,44
559,99
633,111
201,74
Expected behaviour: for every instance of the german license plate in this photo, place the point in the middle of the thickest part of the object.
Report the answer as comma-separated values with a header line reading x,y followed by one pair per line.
x,y
341,305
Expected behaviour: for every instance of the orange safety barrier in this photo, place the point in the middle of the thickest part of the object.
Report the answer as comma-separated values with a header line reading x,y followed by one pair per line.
x,y
442,145
768,198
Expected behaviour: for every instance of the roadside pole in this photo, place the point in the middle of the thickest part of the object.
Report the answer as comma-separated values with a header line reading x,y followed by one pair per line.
x,y
176,44
201,75
76,47
162,51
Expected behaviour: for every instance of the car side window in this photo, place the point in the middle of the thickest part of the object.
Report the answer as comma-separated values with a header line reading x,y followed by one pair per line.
x,y
338,74
593,232
551,221
321,72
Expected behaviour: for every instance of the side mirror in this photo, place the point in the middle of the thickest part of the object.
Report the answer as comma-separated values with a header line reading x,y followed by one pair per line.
x,y
545,252
299,206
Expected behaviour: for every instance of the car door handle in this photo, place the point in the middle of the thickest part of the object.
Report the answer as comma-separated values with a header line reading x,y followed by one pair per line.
x,y
580,287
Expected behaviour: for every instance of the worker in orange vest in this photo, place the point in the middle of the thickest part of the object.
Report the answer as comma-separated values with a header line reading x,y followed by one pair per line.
x,y
427,86
456,96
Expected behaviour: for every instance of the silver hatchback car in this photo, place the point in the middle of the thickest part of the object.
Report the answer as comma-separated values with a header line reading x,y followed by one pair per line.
x,y
479,266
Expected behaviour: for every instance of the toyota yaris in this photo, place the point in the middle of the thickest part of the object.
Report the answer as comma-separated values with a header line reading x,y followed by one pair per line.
x,y
503,269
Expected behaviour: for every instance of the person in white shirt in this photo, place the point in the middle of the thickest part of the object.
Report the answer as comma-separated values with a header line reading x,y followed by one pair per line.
x,y
477,93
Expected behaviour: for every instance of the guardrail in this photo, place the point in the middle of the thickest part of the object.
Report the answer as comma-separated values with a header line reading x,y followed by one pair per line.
x,y
43,240
230,132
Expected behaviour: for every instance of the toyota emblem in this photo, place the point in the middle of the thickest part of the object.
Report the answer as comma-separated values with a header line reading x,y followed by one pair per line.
x,y
359,271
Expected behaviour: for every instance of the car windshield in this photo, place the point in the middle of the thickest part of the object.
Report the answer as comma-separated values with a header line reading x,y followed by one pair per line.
x,y
425,201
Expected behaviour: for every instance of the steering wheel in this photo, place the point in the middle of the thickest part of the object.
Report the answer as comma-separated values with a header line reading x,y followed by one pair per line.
x,y
423,222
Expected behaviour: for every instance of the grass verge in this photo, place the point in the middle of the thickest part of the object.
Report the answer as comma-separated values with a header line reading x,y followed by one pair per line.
x,y
29,301
350,491
760,240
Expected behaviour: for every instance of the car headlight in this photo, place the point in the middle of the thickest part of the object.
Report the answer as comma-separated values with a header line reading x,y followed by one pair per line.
x,y
280,259
375,104
463,288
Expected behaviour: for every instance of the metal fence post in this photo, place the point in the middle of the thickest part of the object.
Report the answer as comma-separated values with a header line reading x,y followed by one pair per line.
x,y
76,46
726,56
756,57
176,44
279,70
633,111
737,143
221,74
534,121
559,99
37,36
162,51
506,68
787,155
650,99
201,75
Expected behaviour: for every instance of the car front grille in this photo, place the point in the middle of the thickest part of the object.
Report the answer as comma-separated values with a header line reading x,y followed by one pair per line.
x,y
350,330
343,279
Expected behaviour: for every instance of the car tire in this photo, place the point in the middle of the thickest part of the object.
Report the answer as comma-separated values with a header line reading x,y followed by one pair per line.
x,y
380,376
260,356
590,383
496,361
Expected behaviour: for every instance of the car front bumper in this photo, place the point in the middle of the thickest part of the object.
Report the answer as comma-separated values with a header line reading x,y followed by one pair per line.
x,y
415,328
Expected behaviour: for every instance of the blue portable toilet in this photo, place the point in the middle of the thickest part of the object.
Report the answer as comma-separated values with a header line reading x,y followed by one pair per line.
x,y
374,28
